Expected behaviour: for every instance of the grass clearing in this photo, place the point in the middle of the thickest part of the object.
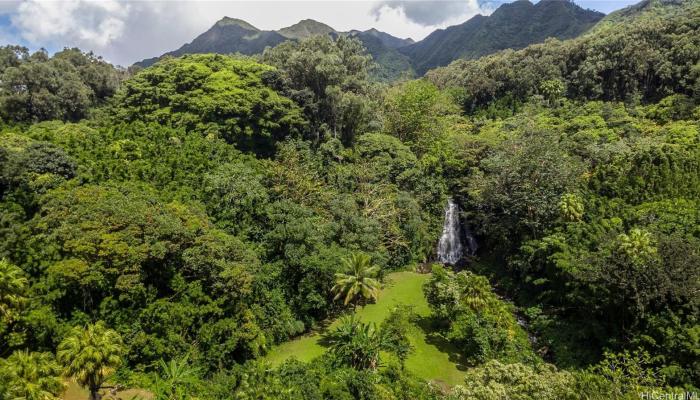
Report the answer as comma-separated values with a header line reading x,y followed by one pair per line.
x,y
433,358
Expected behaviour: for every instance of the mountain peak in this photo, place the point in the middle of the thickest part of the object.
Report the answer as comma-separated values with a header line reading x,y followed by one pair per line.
x,y
386,39
228,21
305,28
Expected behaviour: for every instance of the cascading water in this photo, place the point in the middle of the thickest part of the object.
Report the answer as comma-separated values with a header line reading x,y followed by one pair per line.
x,y
450,250
472,246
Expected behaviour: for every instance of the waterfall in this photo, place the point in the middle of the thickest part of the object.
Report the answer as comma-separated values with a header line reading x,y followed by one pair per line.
x,y
472,246
449,250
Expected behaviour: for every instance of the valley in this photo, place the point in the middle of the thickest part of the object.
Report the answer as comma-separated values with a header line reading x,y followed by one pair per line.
x,y
505,209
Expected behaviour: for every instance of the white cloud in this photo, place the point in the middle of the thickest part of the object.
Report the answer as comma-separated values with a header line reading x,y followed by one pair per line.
x,y
79,22
125,31
431,13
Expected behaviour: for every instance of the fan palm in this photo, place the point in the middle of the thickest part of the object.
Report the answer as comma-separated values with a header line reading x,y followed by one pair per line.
x,y
358,281
13,286
89,355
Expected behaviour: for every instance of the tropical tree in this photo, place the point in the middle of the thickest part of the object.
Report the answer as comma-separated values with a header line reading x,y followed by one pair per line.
x,y
30,376
13,286
394,330
358,281
629,372
571,207
496,380
90,354
335,94
356,344
176,378
638,246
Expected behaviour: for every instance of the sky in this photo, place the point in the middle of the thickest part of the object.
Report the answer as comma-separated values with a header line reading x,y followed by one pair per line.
x,y
126,31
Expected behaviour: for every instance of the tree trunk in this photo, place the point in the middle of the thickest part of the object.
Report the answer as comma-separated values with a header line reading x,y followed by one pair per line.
x,y
95,393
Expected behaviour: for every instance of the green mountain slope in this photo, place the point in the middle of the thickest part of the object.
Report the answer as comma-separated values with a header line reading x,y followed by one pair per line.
x,y
391,64
386,39
227,36
646,9
306,28
643,53
512,26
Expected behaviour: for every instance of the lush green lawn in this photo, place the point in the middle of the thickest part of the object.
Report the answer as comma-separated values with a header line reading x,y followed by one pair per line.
x,y
432,359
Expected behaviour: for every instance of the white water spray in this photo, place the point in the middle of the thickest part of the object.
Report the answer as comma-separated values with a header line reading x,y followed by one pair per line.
x,y
450,250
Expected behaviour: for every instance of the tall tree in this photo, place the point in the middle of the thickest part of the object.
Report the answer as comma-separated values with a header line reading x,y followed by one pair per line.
x,y
356,344
328,78
358,282
13,286
90,354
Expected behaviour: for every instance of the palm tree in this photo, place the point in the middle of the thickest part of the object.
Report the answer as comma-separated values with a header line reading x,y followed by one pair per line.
x,y
357,282
476,291
13,286
89,355
31,376
356,344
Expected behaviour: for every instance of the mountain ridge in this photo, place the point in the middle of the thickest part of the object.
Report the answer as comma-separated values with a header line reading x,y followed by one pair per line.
x,y
512,25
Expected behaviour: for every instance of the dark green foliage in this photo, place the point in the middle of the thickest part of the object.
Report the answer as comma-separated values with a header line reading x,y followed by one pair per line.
x,y
395,329
648,57
150,217
474,318
652,172
334,94
356,344
516,193
212,95
65,86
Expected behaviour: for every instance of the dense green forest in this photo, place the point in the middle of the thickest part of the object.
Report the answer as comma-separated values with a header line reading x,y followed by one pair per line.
x,y
165,229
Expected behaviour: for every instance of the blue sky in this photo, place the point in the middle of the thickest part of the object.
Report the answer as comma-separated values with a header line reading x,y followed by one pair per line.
x,y
127,31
